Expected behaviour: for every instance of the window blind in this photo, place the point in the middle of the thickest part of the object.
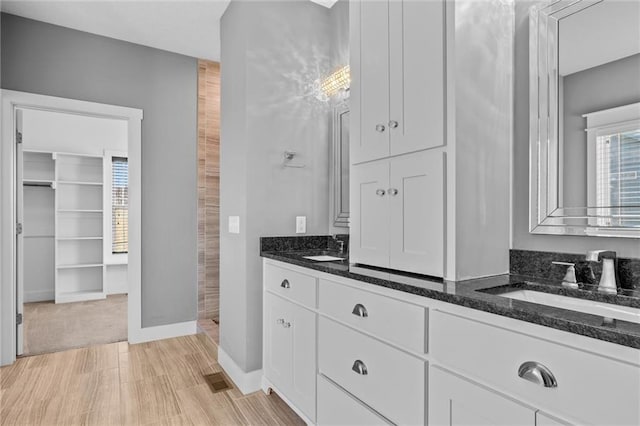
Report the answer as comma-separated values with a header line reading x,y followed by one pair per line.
x,y
618,177
119,205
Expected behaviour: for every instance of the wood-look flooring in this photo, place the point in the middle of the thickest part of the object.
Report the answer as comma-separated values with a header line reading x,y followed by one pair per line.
x,y
51,327
155,383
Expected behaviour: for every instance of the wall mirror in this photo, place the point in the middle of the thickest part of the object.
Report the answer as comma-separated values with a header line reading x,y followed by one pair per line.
x,y
339,166
585,118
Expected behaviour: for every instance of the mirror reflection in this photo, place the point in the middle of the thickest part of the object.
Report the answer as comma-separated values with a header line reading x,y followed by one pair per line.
x,y
588,115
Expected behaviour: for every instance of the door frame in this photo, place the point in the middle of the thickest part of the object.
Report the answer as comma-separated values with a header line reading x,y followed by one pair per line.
x,y
10,101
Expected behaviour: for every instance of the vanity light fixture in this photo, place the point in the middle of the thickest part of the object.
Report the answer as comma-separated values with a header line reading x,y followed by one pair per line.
x,y
338,81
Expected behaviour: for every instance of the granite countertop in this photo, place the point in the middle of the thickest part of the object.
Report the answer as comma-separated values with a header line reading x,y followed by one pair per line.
x,y
482,294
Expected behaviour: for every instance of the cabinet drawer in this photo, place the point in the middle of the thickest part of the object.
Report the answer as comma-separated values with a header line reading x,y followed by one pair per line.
x,y
398,322
336,407
293,285
591,389
387,379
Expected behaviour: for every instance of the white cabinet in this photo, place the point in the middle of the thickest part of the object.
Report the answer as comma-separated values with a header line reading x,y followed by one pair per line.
x,y
290,348
456,401
397,69
591,388
398,213
337,408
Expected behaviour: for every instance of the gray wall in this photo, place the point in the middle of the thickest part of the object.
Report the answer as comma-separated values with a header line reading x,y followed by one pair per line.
x,y
520,208
271,54
606,86
52,60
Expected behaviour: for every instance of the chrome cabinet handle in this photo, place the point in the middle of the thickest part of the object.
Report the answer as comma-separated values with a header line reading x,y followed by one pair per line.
x,y
360,368
360,311
280,321
380,128
538,374
393,124
393,191
285,284
286,324
380,192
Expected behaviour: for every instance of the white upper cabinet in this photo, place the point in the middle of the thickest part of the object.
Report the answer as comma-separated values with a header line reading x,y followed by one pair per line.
x,y
369,240
398,87
397,211
416,200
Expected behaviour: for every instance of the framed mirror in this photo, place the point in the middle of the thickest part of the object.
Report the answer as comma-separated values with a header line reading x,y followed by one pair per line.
x,y
584,59
339,166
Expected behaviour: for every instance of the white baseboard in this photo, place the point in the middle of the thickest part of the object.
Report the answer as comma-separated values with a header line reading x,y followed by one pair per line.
x,y
39,296
247,382
148,334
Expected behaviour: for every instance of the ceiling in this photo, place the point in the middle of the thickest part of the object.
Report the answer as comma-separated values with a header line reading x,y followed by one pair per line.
x,y
187,27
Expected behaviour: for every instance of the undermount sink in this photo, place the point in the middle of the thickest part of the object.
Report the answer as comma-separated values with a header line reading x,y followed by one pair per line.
x,y
323,258
624,313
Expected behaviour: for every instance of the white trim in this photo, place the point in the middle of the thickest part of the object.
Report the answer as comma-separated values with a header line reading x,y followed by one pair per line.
x,y
10,101
160,332
247,382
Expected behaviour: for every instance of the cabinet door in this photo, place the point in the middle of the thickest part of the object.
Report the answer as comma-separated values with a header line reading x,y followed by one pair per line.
x,y
456,401
278,345
369,45
369,241
417,74
303,378
416,198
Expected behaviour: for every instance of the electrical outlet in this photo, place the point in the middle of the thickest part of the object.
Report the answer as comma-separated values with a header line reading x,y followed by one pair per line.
x,y
301,224
234,224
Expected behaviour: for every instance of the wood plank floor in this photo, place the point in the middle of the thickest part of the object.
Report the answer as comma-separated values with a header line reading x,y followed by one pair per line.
x,y
155,383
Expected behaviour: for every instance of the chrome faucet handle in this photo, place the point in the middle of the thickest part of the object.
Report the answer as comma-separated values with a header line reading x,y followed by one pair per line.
x,y
569,279
598,255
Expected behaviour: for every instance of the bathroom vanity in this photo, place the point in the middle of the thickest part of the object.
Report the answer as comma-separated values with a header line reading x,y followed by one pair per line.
x,y
347,345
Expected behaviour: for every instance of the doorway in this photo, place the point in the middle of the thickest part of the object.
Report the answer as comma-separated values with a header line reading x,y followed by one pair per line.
x,y
74,187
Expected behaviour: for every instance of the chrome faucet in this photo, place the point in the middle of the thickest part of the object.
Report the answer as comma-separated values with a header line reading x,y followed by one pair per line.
x,y
340,244
569,279
608,282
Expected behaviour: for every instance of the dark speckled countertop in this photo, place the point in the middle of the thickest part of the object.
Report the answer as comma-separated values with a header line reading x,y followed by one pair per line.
x,y
481,294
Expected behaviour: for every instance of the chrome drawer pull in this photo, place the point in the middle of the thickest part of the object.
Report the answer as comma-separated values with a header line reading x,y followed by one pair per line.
x,y
538,374
360,311
280,321
360,368
285,284
286,325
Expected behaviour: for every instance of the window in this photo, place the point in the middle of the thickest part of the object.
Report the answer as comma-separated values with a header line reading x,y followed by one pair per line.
x,y
119,205
618,175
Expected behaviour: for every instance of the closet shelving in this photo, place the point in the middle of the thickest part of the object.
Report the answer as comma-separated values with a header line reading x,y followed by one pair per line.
x,y
63,195
79,210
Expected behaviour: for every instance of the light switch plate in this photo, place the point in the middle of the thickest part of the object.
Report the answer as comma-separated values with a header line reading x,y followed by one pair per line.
x,y
234,224
301,224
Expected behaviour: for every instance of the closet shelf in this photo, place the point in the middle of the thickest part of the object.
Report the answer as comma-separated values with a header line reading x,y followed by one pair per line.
x,y
77,238
37,182
79,211
80,265
79,296
75,182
